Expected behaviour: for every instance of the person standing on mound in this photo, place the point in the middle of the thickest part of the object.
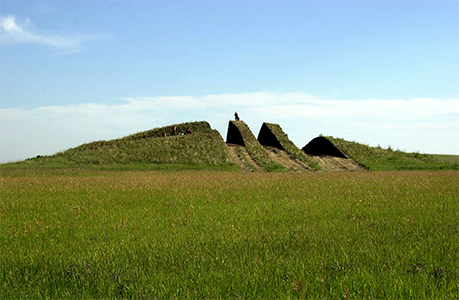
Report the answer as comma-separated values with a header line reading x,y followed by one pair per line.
x,y
236,116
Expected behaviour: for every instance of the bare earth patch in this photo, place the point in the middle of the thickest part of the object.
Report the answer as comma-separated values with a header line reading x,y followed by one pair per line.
x,y
283,158
242,158
331,163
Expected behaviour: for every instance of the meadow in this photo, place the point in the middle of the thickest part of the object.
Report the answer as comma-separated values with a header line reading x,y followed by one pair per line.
x,y
70,233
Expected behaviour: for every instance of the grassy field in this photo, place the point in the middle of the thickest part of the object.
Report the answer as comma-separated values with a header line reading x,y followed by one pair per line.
x,y
70,233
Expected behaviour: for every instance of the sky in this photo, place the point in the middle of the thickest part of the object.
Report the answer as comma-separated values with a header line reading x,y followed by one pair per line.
x,y
376,72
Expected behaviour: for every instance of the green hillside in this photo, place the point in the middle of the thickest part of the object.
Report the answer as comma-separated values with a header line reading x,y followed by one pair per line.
x,y
163,149
203,149
377,158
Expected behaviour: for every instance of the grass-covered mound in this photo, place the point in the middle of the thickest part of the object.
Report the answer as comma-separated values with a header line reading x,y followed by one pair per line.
x,y
240,133
321,146
272,135
204,147
377,158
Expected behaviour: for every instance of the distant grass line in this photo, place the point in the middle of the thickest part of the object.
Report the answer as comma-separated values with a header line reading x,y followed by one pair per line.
x,y
82,234
447,157
256,150
377,158
290,147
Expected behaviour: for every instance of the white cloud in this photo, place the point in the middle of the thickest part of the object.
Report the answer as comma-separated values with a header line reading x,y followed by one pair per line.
x,y
426,125
13,31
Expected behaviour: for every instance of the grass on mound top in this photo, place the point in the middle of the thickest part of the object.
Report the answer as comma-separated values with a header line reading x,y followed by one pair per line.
x,y
377,158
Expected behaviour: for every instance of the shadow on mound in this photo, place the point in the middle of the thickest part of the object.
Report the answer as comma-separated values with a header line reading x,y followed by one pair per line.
x,y
321,146
267,138
234,136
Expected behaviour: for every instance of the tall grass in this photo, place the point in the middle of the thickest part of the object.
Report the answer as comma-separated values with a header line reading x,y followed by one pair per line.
x,y
95,234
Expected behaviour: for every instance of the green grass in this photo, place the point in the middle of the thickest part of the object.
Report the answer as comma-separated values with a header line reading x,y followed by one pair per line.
x,y
447,157
256,150
290,147
204,149
377,158
99,234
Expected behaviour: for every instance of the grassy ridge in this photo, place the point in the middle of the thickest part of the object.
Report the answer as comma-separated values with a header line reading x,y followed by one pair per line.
x,y
85,234
377,158
204,147
290,147
207,148
256,150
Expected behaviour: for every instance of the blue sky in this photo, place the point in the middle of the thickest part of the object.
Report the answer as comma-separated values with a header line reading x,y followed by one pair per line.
x,y
378,72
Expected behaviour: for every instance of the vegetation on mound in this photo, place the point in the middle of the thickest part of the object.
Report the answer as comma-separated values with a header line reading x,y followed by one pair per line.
x,y
289,147
377,158
255,149
160,132
204,147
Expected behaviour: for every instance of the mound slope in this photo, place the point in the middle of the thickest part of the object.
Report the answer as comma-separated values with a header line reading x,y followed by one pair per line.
x,y
329,157
239,133
266,136
377,158
320,146
272,135
204,146
234,136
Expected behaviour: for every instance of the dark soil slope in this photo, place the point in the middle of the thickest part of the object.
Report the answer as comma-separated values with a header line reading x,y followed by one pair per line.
x,y
321,146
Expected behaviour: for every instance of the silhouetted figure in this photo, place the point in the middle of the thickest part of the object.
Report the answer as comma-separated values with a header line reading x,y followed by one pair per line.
x,y
175,130
236,116
188,131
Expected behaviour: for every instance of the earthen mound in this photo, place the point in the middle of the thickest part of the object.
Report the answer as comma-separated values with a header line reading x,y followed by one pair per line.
x,y
320,146
267,138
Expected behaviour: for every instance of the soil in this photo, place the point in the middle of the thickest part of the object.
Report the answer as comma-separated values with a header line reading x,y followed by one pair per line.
x,y
332,163
283,158
243,157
